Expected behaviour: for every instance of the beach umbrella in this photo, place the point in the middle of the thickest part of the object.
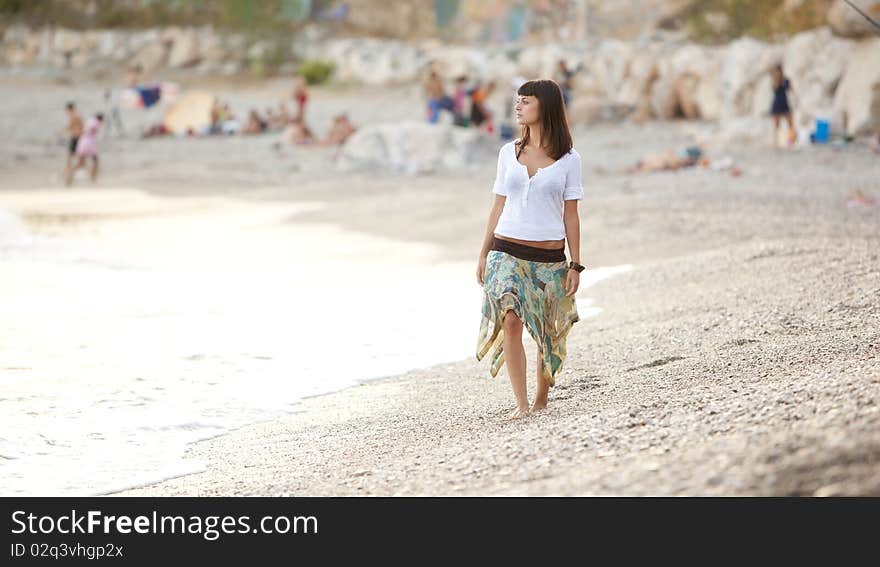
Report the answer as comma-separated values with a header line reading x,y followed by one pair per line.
x,y
192,111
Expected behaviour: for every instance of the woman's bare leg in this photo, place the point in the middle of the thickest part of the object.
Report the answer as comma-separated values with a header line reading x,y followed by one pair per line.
x,y
80,162
94,171
68,169
515,361
543,387
775,129
790,120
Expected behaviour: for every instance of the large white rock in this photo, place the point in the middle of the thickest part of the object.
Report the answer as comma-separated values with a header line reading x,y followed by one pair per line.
x,y
847,22
684,84
708,93
857,99
20,46
150,56
762,96
67,41
640,74
212,52
664,98
743,64
539,60
138,40
184,50
370,61
416,148
102,43
609,66
814,60
453,61
18,55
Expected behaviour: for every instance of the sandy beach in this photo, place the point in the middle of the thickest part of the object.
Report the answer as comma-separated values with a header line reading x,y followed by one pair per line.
x,y
737,353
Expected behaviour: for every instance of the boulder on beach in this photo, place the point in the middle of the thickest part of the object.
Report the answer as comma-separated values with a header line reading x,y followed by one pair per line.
x,y
745,62
370,61
815,60
857,99
184,50
416,148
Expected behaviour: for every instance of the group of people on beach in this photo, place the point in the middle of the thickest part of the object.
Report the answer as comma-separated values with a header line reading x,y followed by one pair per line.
x,y
294,128
468,103
82,135
223,121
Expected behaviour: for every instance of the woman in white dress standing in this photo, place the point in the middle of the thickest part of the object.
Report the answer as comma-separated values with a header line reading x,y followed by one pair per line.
x,y
522,267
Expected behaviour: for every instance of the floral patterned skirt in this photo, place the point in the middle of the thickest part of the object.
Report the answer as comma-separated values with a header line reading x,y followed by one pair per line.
x,y
535,291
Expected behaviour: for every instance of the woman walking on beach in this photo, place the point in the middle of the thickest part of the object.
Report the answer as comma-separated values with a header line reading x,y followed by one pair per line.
x,y
522,265
781,109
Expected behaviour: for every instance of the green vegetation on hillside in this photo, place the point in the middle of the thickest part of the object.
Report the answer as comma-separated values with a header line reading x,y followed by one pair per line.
x,y
237,15
718,21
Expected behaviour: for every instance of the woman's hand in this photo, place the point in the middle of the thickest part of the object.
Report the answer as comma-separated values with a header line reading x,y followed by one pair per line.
x,y
572,282
481,269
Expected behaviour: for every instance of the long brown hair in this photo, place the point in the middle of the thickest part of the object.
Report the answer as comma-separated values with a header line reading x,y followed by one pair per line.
x,y
554,123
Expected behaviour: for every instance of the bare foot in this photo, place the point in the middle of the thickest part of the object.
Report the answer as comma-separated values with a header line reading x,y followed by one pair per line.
x,y
539,405
519,413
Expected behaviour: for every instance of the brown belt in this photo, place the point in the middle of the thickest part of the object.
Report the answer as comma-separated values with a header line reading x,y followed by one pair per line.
x,y
530,253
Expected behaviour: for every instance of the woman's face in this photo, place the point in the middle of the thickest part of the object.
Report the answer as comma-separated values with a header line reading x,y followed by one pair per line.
x,y
527,110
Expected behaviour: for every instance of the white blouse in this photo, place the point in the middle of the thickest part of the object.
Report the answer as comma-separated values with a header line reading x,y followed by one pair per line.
x,y
533,208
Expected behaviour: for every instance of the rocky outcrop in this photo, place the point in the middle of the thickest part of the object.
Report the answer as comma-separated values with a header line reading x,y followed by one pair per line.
x,y
857,98
816,60
658,77
416,148
202,49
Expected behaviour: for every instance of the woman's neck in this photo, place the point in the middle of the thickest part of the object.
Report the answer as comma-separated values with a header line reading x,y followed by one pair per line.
x,y
535,136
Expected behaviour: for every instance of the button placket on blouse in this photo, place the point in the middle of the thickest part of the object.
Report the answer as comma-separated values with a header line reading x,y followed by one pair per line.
x,y
528,186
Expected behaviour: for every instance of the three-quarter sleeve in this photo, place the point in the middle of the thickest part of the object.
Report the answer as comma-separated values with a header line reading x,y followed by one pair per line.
x,y
498,188
574,188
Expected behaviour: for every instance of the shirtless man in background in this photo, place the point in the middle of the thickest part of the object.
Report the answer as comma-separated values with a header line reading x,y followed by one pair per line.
x,y
74,131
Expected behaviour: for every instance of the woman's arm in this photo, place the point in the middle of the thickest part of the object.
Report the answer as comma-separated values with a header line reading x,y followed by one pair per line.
x,y
500,192
572,229
494,215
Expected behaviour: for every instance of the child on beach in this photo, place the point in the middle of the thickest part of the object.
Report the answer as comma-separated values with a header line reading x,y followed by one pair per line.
x,y
87,147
